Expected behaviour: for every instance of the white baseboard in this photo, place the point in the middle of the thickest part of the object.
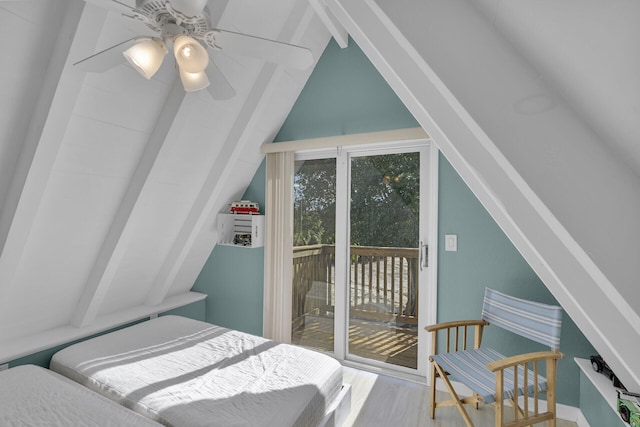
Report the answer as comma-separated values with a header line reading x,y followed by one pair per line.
x,y
565,412
582,421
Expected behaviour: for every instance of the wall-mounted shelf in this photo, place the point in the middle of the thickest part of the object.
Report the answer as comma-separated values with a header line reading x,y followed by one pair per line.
x,y
241,230
600,382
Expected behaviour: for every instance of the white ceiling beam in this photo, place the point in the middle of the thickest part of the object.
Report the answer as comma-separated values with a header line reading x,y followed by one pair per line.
x,y
58,93
338,32
213,192
116,242
209,192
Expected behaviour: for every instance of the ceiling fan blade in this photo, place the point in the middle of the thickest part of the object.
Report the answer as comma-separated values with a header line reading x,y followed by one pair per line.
x,y
281,53
219,87
106,59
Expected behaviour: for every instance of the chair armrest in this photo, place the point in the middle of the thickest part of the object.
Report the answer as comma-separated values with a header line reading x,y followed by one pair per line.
x,y
455,324
521,359
459,339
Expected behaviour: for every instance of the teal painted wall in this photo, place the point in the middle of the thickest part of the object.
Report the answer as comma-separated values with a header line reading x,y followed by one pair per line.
x,y
594,408
487,258
195,310
345,95
233,277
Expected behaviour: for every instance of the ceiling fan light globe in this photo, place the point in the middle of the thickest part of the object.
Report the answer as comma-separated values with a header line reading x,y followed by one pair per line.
x,y
191,56
192,82
146,56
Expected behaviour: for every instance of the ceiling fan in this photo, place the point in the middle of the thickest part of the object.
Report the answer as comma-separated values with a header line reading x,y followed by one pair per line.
x,y
184,26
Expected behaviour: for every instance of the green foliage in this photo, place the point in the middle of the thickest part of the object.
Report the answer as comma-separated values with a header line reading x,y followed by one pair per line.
x,y
384,201
314,203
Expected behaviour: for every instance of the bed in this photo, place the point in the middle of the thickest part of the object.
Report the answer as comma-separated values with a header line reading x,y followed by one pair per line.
x,y
183,372
34,396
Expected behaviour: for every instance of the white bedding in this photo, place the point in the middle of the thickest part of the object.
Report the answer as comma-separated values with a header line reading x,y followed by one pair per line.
x,y
34,396
182,372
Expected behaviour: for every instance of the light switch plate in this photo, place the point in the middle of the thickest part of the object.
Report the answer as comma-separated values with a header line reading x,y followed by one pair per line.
x,y
451,242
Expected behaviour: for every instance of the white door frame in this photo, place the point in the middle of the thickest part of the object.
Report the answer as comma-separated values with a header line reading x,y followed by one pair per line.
x,y
427,301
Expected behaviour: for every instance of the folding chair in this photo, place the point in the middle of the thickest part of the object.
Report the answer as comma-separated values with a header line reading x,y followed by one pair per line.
x,y
491,376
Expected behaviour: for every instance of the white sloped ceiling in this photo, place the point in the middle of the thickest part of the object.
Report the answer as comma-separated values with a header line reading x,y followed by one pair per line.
x,y
111,183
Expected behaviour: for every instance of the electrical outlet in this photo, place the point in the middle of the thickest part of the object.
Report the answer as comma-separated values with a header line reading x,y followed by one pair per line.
x,y
4,367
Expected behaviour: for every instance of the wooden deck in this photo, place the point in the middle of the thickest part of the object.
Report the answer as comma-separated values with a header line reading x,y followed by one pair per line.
x,y
383,342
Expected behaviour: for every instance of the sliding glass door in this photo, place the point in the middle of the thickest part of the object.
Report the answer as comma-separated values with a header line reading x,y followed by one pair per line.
x,y
360,254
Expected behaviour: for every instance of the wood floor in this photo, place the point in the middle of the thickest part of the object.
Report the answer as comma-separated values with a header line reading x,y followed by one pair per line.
x,y
381,401
385,342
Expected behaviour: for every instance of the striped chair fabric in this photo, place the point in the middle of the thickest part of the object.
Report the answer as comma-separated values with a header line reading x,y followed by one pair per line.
x,y
470,368
536,321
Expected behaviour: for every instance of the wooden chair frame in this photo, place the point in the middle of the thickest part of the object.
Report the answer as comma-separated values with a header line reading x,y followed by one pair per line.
x,y
523,416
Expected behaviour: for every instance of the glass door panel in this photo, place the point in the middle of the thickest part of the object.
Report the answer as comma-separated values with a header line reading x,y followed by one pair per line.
x,y
314,214
383,258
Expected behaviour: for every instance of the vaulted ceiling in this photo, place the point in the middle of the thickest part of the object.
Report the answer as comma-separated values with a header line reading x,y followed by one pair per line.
x,y
110,184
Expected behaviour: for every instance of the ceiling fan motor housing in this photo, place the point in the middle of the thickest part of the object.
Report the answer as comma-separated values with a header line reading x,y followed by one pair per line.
x,y
157,14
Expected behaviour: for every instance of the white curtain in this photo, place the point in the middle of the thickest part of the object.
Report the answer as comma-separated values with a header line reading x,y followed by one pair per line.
x,y
278,247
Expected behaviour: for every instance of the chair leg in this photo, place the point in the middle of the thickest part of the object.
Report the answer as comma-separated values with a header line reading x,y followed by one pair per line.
x,y
552,366
454,395
499,399
551,407
432,409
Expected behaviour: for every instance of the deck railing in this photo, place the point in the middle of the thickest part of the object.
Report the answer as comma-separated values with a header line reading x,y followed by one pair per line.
x,y
383,283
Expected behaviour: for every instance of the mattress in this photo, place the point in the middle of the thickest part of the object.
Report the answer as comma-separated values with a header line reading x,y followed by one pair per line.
x,y
34,396
183,372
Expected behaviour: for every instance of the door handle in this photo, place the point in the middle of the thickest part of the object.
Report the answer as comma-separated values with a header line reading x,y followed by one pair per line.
x,y
424,255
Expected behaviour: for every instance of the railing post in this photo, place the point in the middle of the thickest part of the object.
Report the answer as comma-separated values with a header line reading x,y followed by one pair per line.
x,y
397,282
